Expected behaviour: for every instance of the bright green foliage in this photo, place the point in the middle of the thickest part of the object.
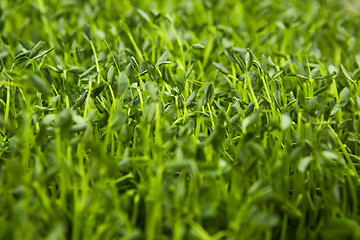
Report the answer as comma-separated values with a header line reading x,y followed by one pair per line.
x,y
179,119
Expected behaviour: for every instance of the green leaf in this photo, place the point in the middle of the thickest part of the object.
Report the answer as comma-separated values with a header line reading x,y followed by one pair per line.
x,y
119,118
46,72
345,124
321,90
40,84
182,85
313,103
150,112
152,90
346,73
357,102
277,74
111,75
197,46
96,91
357,59
1,65
36,49
335,229
188,71
326,76
21,57
87,31
190,98
285,122
248,60
75,69
330,155
250,109
235,118
163,59
304,163
169,18
43,53
135,64
209,91
79,124
143,68
334,110
302,77
48,119
344,97
4,39
291,210
356,75
123,84
129,70
236,94
144,15
25,44
81,99
221,68
217,136
257,149
184,78
87,72
250,120
239,62
64,119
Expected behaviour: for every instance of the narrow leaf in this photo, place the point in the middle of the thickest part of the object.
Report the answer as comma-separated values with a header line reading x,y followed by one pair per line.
x,y
346,73
334,110
344,96
97,90
118,120
110,75
188,71
87,31
357,103
36,49
190,99
239,62
163,59
304,163
285,122
21,57
81,99
277,74
221,68
144,15
1,65
123,84
45,70
197,46
87,72
248,60
43,53
40,84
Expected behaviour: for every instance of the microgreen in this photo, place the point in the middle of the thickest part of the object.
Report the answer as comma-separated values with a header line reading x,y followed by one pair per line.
x,y
179,119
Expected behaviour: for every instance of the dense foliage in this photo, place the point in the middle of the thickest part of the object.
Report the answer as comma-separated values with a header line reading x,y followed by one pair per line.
x,y
179,119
